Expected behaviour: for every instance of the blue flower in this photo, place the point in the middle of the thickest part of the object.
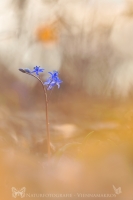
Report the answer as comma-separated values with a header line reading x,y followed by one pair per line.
x,y
53,80
37,70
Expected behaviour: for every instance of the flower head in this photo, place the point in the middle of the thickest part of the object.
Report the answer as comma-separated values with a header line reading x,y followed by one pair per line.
x,y
25,70
37,70
53,80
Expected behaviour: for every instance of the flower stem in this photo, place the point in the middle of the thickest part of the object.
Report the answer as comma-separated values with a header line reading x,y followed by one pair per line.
x,y
46,108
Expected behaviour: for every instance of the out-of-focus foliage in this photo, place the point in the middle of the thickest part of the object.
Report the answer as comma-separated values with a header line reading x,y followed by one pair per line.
x,y
86,39
93,156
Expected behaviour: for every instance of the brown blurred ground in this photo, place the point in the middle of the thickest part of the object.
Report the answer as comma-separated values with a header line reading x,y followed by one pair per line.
x,y
87,165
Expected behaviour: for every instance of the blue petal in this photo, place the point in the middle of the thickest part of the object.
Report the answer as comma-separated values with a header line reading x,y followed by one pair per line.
x,y
51,86
47,81
58,85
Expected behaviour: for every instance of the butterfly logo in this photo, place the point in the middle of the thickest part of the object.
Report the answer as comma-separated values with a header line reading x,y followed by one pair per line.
x,y
20,192
117,190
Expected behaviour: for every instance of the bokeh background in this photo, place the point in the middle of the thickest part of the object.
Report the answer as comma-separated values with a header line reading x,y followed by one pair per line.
x,y
90,43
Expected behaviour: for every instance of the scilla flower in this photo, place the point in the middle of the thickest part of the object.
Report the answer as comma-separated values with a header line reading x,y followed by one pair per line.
x,y
47,85
53,80
37,70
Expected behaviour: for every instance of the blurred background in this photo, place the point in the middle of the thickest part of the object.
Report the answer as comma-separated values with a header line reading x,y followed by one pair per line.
x,y
90,43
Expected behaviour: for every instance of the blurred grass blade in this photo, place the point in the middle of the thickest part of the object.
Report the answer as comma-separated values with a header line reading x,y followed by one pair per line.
x,y
66,147
87,136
